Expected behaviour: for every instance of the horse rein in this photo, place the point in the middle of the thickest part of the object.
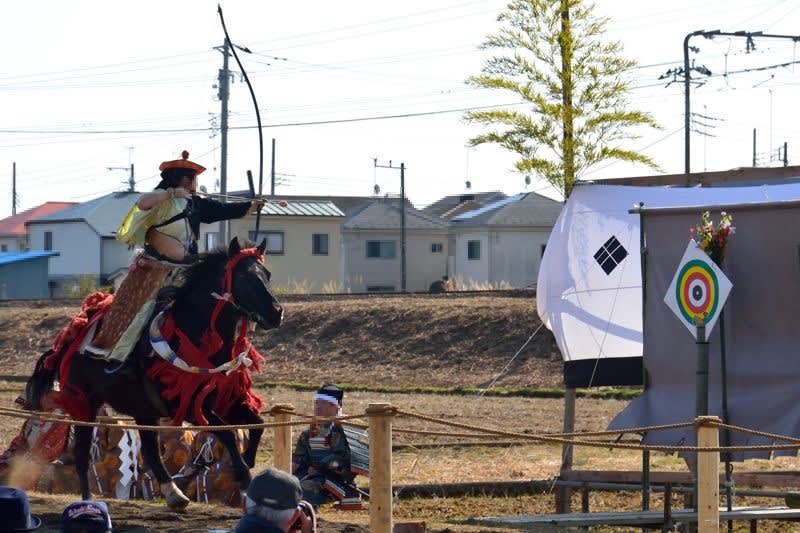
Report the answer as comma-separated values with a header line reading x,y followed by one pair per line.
x,y
226,298
162,347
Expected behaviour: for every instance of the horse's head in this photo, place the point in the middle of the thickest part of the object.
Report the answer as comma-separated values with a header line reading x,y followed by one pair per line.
x,y
246,279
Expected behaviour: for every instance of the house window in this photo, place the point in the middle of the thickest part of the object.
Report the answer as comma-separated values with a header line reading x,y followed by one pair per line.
x,y
436,247
381,249
380,288
319,244
3,247
274,240
473,249
48,240
212,240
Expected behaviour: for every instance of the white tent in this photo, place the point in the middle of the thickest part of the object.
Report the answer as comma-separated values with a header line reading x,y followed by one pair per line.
x,y
589,291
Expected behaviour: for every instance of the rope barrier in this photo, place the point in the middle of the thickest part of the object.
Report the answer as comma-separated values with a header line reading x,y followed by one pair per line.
x,y
480,432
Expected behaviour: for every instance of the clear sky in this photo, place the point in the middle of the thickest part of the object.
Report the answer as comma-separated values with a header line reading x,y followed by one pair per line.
x,y
86,85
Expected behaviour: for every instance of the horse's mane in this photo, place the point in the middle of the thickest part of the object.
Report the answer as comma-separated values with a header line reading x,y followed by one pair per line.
x,y
207,271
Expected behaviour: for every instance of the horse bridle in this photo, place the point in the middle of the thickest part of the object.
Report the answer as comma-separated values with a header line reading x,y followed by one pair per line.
x,y
226,298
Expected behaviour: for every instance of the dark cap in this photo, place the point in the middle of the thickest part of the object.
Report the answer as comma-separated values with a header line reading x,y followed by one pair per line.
x,y
87,516
15,511
275,489
330,393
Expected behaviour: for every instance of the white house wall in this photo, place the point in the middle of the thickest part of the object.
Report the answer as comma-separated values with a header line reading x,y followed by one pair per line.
x,y
516,256
422,266
78,244
472,271
12,244
298,268
116,255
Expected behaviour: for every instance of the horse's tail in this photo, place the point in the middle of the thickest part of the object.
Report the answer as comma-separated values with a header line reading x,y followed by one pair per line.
x,y
40,382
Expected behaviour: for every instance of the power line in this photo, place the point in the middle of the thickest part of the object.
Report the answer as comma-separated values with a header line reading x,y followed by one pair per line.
x,y
276,125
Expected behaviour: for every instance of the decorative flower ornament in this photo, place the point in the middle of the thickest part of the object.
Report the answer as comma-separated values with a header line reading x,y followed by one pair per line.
x,y
713,240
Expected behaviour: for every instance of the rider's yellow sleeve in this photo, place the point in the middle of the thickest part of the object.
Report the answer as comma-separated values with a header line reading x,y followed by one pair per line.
x,y
134,226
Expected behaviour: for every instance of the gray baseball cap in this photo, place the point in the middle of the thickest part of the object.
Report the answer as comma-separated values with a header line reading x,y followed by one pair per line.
x,y
276,489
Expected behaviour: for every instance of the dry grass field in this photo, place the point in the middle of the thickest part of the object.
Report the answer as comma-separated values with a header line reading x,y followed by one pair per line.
x,y
390,344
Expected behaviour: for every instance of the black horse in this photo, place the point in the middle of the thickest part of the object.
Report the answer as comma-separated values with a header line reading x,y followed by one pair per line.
x,y
220,291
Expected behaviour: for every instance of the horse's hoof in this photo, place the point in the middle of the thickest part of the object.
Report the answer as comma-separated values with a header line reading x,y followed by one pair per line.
x,y
177,501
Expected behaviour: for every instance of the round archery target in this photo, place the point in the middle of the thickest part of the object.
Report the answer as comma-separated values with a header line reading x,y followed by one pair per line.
x,y
697,291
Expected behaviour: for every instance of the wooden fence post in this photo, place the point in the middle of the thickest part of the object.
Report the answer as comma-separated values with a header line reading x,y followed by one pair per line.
x,y
380,467
282,447
707,475
563,494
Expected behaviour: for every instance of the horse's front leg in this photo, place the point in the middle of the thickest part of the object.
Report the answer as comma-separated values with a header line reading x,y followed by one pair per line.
x,y
228,439
241,414
176,499
83,445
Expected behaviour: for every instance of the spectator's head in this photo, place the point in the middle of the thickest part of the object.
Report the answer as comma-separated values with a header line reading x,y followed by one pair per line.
x,y
88,516
275,496
328,400
15,511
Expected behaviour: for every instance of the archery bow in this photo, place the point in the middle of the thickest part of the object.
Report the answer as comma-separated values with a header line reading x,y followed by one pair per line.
x,y
258,114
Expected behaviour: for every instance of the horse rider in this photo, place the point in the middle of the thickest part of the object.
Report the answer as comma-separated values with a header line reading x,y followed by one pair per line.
x,y
166,223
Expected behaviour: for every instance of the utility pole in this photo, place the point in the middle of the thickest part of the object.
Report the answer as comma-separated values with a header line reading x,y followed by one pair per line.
x,y
14,188
402,219
272,171
754,149
131,180
224,93
750,46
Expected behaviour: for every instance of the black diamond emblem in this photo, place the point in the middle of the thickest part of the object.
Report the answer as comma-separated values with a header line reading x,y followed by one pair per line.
x,y
610,255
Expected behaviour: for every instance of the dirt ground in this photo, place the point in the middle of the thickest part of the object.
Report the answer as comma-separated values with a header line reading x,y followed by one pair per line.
x,y
445,341
378,343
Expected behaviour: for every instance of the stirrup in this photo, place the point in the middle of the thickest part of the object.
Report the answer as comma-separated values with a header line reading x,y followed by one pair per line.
x,y
115,369
95,352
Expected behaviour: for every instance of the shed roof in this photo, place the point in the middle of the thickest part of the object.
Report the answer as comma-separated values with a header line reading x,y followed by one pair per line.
x,y
303,208
15,224
344,203
7,258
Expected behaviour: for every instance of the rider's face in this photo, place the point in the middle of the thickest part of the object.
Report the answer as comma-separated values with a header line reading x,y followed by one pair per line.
x,y
188,183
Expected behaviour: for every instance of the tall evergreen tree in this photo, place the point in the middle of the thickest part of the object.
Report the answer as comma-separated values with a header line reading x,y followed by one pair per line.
x,y
552,54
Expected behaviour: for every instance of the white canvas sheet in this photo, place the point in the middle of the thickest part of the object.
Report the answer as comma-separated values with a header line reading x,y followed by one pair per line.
x,y
595,315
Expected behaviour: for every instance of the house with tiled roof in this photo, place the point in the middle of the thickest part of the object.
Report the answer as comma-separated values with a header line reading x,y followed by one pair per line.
x,y
84,235
14,234
503,241
372,248
456,204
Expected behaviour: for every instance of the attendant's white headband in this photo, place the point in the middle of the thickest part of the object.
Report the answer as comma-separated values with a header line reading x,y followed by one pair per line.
x,y
327,398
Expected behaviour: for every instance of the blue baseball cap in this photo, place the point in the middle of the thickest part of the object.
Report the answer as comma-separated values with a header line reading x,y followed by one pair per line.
x,y
87,516
15,511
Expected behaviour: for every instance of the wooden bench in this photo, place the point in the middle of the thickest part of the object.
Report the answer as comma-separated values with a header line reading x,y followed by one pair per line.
x,y
633,518
358,440
349,496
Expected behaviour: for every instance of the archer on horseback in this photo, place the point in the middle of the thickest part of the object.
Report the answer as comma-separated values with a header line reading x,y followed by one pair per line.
x,y
166,223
